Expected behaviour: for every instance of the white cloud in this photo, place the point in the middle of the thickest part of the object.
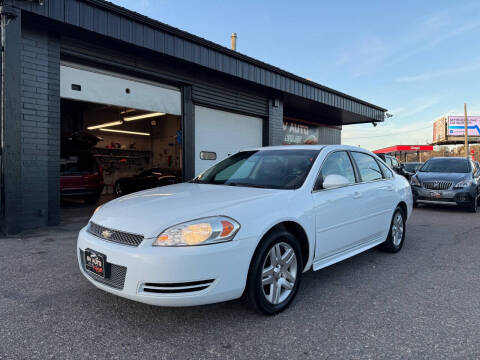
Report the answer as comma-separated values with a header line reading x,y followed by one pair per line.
x,y
440,73
394,133
373,52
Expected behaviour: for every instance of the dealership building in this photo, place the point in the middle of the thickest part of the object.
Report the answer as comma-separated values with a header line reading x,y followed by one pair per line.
x,y
151,95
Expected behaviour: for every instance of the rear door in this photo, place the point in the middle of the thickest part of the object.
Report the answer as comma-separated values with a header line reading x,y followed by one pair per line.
x,y
377,196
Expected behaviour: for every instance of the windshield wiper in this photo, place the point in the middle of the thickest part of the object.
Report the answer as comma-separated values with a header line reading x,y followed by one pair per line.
x,y
198,181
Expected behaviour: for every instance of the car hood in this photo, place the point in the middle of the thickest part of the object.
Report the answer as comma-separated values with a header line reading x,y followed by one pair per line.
x,y
151,211
451,177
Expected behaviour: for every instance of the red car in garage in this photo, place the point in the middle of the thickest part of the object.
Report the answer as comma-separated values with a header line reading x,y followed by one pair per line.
x,y
81,178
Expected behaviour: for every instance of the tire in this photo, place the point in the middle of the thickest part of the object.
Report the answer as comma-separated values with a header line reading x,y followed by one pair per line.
x,y
396,235
119,189
265,268
473,207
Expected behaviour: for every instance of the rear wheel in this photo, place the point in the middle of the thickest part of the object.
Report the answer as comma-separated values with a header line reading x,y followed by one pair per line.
x,y
275,272
396,235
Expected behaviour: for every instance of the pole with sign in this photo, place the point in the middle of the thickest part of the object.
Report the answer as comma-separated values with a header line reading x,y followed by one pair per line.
x,y
466,130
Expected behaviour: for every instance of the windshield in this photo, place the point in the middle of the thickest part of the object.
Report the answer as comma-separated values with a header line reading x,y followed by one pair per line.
x,y
274,169
412,167
446,166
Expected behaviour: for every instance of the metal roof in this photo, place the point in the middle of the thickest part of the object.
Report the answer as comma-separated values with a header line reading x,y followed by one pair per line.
x,y
114,21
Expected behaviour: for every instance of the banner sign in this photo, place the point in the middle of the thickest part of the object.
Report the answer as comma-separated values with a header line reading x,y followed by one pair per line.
x,y
295,133
456,126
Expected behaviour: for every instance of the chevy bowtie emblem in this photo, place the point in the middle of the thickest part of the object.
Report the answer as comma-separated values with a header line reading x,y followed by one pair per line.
x,y
436,184
106,234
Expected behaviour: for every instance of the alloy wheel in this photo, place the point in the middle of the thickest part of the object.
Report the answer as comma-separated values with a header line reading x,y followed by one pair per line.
x,y
397,229
279,273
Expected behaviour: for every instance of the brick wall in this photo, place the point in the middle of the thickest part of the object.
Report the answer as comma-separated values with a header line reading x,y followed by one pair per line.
x,y
40,128
275,122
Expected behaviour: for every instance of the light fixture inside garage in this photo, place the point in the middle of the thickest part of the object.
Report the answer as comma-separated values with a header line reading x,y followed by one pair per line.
x,y
126,132
143,116
113,123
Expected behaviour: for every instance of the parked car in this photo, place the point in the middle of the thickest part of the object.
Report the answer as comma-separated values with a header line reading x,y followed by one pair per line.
x,y
393,164
250,225
145,180
410,168
447,180
81,177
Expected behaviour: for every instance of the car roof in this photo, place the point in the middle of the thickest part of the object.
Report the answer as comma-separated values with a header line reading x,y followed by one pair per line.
x,y
449,157
310,147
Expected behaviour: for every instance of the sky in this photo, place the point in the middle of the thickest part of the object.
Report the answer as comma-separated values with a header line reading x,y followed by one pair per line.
x,y
418,59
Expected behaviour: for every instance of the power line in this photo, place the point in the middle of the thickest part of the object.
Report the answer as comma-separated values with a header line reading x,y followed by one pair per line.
x,y
389,134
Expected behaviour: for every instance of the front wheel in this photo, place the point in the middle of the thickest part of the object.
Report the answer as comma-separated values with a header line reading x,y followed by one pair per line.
x,y
396,235
275,272
473,207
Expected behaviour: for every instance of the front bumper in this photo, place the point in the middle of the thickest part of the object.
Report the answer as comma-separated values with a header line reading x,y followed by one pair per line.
x,y
451,196
171,276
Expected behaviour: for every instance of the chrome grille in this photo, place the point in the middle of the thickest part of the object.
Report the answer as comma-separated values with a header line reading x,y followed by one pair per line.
x,y
437,185
115,236
117,274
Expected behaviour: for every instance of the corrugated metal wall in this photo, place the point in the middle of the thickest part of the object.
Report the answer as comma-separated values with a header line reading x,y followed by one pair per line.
x,y
330,136
220,97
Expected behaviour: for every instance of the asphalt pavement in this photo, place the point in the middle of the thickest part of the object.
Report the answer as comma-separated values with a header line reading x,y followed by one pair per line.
x,y
423,302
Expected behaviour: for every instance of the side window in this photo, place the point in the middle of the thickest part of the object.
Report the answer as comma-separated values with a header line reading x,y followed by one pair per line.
x,y
388,160
395,163
387,173
367,166
337,163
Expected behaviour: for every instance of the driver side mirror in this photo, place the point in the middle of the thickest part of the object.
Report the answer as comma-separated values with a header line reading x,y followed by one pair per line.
x,y
334,181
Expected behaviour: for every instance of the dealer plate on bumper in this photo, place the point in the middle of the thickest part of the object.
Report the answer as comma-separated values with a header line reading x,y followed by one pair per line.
x,y
95,262
444,195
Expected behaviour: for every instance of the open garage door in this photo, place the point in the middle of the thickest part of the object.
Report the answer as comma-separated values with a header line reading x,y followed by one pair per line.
x,y
219,134
86,84
118,135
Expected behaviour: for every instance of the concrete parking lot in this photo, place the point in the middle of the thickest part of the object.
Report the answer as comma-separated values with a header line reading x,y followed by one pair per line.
x,y
423,302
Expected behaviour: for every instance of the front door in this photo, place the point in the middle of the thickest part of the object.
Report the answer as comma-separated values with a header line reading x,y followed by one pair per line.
x,y
337,210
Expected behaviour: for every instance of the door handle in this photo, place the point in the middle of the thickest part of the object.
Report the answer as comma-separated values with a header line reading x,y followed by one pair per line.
x,y
357,195
389,187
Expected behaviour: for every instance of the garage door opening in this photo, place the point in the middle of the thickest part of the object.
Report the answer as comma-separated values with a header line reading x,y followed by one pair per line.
x,y
110,151
118,135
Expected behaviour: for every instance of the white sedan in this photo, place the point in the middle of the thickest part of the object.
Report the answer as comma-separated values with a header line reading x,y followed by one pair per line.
x,y
248,226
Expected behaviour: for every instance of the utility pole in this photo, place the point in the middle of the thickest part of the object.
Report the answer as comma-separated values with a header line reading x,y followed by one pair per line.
x,y
466,130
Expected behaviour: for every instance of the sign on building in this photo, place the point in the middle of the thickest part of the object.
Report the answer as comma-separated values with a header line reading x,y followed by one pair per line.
x,y
295,133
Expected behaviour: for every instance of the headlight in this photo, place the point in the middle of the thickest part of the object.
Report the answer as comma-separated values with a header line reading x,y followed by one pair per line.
x,y
463,184
209,230
414,181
